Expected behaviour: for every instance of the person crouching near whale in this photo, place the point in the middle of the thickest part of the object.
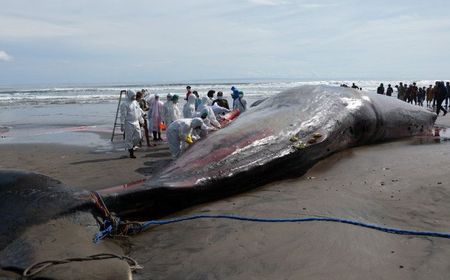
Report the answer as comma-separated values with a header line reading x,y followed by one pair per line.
x,y
184,132
131,119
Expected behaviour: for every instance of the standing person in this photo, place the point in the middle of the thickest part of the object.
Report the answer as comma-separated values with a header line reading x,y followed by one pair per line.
x,y
198,101
389,90
408,93
441,94
222,102
188,92
155,118
143,105
239,102
414,93
234,91
210,95
400,91
448,93
429,95
421,96
131,119
175,113
380,89
189,107
167,107
182,132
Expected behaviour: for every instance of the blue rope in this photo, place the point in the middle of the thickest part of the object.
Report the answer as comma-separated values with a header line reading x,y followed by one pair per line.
x,y
102,234
147,224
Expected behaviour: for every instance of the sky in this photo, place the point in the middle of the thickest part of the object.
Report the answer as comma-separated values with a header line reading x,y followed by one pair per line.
x,y
146,41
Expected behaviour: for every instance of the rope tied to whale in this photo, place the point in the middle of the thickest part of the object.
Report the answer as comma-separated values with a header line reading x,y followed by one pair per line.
x,y
126,228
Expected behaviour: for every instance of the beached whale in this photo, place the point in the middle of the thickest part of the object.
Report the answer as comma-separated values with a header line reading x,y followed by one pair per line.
x,y
282,137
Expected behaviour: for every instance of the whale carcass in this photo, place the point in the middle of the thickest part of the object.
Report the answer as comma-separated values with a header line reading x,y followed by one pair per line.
x,y
280,138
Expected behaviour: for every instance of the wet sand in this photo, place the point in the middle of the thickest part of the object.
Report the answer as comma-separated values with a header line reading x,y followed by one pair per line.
x,y
402,184
85,167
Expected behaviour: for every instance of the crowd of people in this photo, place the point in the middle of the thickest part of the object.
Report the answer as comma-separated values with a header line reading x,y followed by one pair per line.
x,y
198,116
434,96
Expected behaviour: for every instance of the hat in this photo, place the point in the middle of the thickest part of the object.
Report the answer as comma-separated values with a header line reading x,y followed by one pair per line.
x,y
204,113
196,122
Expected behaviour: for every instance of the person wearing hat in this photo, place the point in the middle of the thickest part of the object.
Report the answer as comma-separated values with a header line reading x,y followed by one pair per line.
x,y
204,107
239,103
189,107
131,119
167,107
182,132
175,114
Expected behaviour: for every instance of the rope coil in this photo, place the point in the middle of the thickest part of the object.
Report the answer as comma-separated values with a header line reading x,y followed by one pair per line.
x,y
40,266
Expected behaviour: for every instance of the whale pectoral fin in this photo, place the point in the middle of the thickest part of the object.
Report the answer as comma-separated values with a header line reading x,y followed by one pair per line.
x,y
63,238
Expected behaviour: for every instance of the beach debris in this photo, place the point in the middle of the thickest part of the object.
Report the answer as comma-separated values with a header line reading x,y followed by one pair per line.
x,y
294,138
317,135
299,145
312,141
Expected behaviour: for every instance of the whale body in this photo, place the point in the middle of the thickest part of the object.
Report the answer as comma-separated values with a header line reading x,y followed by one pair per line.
x,y
282,137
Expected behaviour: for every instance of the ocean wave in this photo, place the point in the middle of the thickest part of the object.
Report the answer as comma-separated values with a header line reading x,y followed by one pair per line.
x,y
110,93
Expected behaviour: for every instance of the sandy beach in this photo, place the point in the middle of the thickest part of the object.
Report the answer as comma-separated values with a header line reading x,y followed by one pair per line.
x,y
402,184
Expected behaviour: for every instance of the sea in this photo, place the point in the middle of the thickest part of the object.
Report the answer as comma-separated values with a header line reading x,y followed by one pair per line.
x,y
78,114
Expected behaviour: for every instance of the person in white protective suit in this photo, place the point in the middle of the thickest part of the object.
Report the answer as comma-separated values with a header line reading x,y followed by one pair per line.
x,y
155,118
219,111
131,119
167,107
205,101
175,114
211,119
189,107
184,132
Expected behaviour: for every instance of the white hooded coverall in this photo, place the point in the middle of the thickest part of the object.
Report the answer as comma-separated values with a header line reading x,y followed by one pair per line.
x,y
189,107
179,130
131,117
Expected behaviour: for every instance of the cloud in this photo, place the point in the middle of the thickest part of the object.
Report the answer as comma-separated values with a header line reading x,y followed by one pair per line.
x,y
4,56
23,28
